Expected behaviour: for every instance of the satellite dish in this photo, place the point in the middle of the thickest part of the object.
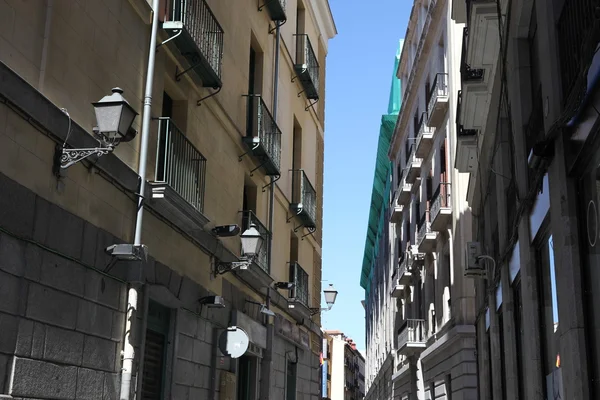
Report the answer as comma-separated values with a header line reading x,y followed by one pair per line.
x,y
233,342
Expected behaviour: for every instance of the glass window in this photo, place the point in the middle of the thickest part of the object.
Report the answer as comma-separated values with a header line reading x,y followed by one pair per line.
x,y
290,381
549,308
155,352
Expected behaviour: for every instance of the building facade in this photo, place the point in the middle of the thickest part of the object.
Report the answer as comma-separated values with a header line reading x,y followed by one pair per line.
x,y
380,308
528,125
344,368
231,125
432,353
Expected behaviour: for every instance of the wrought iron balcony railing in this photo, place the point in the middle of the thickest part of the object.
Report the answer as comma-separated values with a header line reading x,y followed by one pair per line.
x,y
460,130
179,164
263,136
439,88
576,43
412,334
307,66
425,132
304,199
467,73
300,279
423,226
262,258
440,199
198,36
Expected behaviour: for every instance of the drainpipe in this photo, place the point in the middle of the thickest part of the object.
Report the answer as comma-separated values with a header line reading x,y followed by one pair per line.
x,y
132,297
44,60
268,356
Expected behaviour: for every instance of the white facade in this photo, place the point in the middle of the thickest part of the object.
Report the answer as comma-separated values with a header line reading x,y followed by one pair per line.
x,y
423,289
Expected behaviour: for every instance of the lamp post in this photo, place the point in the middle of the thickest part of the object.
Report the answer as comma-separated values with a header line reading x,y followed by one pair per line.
x,y
252,241
114,116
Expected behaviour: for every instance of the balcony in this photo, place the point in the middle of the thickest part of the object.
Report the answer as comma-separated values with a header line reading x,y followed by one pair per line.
x,y
437,101
411,336
404,191
263,136
414,166
258,272
299,294
304,199
179,178
466,146
307,67
441,208
424,138
426,238
199,38
482,21
400,277
396,210
276,9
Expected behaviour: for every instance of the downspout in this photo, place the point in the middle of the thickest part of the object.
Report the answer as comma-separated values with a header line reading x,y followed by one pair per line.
x,y
268,356
132,297
44,60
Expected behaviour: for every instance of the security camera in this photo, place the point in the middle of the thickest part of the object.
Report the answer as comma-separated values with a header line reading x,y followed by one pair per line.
x,y
226,230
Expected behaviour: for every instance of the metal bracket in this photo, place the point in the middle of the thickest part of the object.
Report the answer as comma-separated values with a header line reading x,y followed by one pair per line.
x,y
277,24
225,267
311,231
260,165
311,105
64,158
252,149
199,102
291,217
178,74
297,228
171,38
277,177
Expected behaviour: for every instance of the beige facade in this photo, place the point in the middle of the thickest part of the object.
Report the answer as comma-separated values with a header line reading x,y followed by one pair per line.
x,y
73,52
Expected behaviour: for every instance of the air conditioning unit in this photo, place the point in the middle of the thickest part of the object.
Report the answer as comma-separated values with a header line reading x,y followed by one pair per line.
x,y
474,267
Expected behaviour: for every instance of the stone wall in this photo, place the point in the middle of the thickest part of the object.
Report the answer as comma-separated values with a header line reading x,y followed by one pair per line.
x,y
61,319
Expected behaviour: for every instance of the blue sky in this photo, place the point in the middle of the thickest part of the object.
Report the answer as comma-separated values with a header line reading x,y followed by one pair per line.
x,y
359,72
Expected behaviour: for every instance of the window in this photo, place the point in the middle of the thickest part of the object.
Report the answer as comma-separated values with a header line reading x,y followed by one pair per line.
x,y
448,384
249,199
290,380
518,304
300,18
155,352
255,69
549,306
247,375
297,149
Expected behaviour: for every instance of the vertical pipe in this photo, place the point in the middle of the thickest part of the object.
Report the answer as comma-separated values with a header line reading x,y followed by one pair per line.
x,y
146,122
132,296
44,61
146,300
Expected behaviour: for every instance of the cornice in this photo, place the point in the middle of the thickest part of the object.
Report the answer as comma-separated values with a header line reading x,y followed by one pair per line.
x,y
324,21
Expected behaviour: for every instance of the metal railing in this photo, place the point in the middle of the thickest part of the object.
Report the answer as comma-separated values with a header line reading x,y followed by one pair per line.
x,y
439,88
300,278
423,128
574,37
261,124
307,59
440,199
460,130
202,26
412,331
466,72
304,194
423,226
261,259
179,164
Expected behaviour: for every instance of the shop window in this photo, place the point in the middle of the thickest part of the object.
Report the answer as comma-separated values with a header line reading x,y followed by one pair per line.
x,y
247,375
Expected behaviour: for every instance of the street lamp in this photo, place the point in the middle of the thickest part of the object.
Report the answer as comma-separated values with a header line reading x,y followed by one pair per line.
x,y
114,116
251,243
330,296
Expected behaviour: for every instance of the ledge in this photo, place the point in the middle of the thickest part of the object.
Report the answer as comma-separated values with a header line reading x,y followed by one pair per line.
x,y
447,341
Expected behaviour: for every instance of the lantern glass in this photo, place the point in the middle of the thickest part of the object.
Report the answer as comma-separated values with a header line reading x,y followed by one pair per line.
x,y
251,241
114,115
330,295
